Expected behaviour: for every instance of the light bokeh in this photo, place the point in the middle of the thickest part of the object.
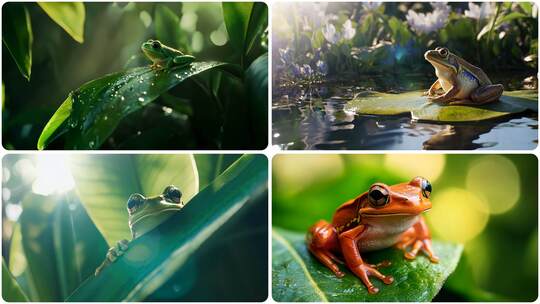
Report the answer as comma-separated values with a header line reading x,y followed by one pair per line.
x,y
52,175
497,180
429,166
295,172
457,215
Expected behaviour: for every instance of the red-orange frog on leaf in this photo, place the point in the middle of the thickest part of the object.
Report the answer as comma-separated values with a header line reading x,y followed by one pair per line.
x,y
380,218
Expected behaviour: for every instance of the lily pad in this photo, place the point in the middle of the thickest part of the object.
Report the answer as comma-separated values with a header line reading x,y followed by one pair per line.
x,y
419,108
92,112
298,277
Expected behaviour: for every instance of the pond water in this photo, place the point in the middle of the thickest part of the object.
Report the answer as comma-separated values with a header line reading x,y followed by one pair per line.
x,y
314,118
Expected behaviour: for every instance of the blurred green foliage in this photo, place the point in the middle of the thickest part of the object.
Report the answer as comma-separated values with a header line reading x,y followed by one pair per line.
x,y
317,41
52,245
486,202
200,112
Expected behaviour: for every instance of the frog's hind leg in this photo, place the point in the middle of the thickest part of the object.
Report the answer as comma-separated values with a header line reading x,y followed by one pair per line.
x,y
487,93
321,240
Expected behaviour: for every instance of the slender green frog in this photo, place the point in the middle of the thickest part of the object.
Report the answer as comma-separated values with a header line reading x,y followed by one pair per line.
x,y
145,214
163,56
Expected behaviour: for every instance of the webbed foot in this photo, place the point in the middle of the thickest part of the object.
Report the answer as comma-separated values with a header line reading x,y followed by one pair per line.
x,y
113,253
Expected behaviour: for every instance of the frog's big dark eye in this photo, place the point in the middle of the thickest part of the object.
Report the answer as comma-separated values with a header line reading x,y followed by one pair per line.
x,y
378,196
156,44
173,193
426,188
443,52
134,201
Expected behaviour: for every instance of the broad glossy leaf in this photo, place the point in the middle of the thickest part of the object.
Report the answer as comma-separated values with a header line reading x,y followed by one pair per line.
x,y
298,277
258,21
92,112
79,247
68,15
154,257
105,182
256,80
17,35
237,15
11,291
38,245
210,166
420,108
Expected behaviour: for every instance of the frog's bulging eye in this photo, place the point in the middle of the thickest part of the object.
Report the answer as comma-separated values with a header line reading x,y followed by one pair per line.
x,y
172,193
134,202
443,52
156,45
378,196
426,188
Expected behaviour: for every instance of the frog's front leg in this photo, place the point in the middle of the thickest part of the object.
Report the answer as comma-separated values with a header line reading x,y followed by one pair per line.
x,y
418,238
113,253
183,60
434,88
348,241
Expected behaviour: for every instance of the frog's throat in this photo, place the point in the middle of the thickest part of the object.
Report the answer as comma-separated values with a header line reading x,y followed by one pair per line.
x,y
393,214
152,214
443,64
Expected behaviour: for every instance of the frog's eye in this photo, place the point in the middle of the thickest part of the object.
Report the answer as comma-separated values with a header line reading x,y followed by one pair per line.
x,y
426,188
156,45
172,193
378,196
443,52
134,202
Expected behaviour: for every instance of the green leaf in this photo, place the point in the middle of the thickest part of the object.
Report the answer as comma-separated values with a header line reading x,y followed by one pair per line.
x,y
11,291
104,183
18,265
17,35
37,239
92,112
258,21
68,15
298,277
210,166
374,103
79,247
256,81
245,22
154,257
167,26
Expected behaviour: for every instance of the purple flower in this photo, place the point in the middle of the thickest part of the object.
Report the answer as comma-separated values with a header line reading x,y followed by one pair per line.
x,y
322,67
285,55
480,12
425,23
306,70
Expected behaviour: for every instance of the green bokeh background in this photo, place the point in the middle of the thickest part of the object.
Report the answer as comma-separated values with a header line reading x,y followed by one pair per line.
x,y
486,202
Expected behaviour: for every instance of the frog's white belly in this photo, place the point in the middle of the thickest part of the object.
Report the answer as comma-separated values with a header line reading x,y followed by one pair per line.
x,y
384,231
466,82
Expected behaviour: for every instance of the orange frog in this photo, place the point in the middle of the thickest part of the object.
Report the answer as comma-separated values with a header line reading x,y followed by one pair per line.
x,y
380,218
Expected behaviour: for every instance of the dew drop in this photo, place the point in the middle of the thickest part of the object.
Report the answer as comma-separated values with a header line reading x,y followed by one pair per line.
x,y
140,99
91,144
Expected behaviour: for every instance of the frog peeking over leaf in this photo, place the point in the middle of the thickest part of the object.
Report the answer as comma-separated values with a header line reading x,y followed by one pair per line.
x,y
145,214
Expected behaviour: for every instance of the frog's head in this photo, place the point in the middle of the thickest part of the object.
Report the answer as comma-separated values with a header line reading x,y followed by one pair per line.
x,y
411,198
147,213
442,58
154,49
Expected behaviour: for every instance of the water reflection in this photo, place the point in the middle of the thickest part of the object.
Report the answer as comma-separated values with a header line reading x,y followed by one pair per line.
x,y
314,118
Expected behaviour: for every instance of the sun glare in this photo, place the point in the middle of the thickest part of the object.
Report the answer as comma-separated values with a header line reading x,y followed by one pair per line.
x,y
52,175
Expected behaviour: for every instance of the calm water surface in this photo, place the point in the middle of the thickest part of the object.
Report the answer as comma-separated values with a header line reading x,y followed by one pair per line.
x,y
314,119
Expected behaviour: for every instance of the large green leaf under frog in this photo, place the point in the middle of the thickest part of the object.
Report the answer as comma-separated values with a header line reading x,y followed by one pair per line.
x,y
416,105
298,277
154,257
92,112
